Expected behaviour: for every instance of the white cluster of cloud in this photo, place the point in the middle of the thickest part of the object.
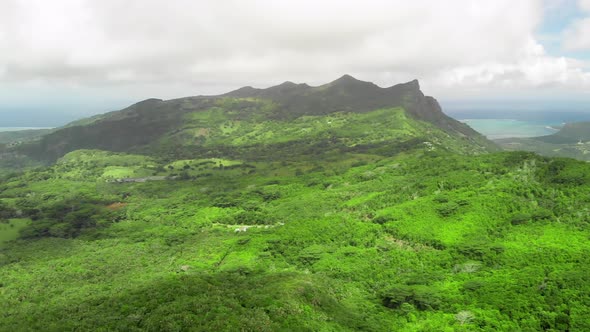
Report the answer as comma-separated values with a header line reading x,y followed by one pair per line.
x,y
208,46
577,36
533,73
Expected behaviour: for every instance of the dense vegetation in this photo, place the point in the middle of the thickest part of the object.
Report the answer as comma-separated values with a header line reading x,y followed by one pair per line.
x,y
424,240
234,221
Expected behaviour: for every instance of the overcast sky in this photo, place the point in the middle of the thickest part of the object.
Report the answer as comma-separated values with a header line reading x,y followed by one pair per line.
x,y
63,59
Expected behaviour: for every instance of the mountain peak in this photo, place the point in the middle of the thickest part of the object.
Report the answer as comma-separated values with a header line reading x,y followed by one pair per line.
x,y
411,85
346,79
287,84
242,92
348,82
414,83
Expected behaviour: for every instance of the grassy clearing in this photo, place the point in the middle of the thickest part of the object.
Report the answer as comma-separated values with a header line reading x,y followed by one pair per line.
x,y
9,229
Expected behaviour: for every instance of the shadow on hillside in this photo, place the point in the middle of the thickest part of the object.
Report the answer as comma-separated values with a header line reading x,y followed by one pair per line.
x,y
238,300
47,248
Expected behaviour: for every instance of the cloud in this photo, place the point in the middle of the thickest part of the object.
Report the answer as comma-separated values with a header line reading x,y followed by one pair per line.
x,y
577,35
584,5
153,45
533,70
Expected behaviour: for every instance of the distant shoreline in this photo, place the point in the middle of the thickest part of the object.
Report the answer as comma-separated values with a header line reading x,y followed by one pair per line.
x,y
506,127
556,128
23,128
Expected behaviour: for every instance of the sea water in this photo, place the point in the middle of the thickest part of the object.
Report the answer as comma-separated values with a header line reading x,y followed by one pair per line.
x,y
503,128
502,124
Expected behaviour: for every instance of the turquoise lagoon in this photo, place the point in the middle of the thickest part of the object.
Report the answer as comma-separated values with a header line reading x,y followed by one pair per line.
x,y
503,128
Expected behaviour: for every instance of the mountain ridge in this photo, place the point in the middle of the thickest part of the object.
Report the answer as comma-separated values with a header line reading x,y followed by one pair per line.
x,y
145,125
422,106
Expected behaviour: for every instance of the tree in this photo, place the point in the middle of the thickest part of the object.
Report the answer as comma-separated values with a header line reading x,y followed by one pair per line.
x,y
464,317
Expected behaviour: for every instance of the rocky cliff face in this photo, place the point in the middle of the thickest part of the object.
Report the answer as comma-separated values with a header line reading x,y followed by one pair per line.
x,y
350,94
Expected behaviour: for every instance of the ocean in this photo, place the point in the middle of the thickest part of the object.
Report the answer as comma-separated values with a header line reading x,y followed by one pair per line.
x,y
503,128
502,124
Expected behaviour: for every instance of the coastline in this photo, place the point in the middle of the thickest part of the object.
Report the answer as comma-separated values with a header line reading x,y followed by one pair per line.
x,y
4,129
504,127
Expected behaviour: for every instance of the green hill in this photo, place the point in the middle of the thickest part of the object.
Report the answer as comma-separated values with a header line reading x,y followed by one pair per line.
x,y
570,133
343,207
217,125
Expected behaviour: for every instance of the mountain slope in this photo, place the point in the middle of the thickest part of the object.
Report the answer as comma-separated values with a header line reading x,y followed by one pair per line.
x,y
344,207
352,95
570,133
421,241
190,124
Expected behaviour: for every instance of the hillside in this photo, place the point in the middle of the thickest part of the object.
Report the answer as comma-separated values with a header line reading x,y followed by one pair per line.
x,y
217,125
344,207
570,133
572,141
424,240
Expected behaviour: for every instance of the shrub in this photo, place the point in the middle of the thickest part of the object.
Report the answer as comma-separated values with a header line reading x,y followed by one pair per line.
x,y
251,217
359,163
426,298
63,230
6,212
396,295
520,218
421,296
541,215
382,220
472,285
311,254
67,219
441,199
447,209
